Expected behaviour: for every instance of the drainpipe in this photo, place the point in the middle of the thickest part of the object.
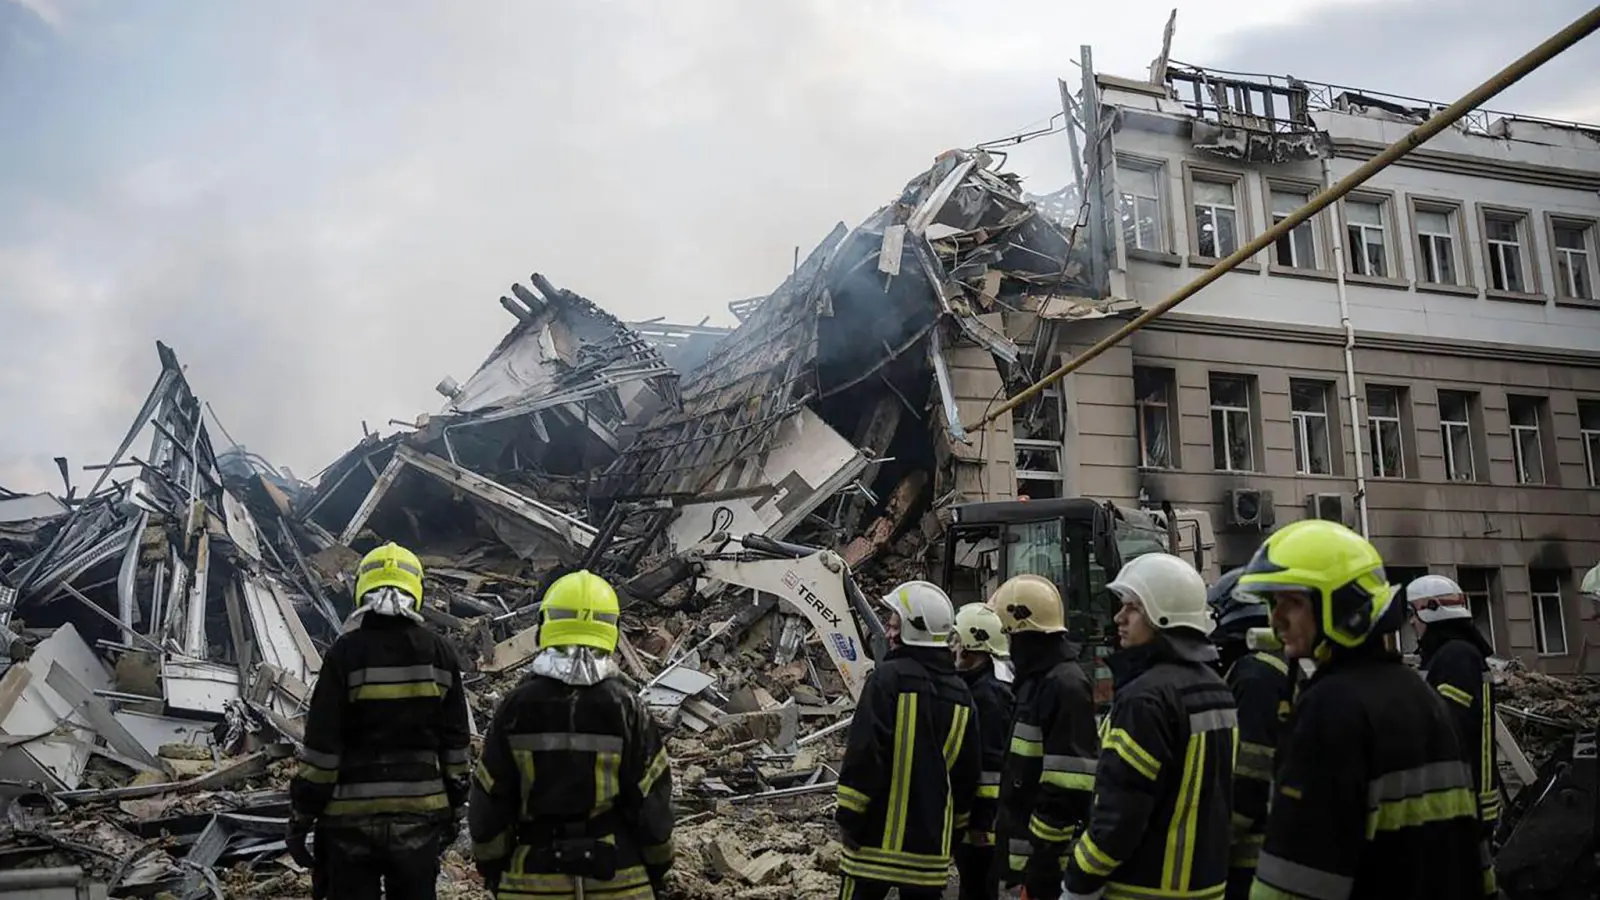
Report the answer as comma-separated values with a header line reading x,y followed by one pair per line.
x,y
1349,354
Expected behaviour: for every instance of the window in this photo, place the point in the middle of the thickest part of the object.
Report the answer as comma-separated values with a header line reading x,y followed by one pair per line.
x,y
1313,443
1368,238
1575,258
1140,187
1527,450
1232,438
1505,252
1383,432
1479,587
1153,390
1438,243
1216,217
1549,621
1298,248
1589,432
1455,425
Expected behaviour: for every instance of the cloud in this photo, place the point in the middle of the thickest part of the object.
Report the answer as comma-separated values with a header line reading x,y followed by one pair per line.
x,y
316,205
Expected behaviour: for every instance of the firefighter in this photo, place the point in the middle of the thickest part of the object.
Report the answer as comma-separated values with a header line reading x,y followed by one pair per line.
x,y
382,778
980,652
1262,689
1163,788
1455,660
1047,779
911,762
1371,798
573,797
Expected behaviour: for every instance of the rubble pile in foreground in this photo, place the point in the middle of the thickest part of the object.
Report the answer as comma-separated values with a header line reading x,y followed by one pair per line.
x,y
161,627
1542,711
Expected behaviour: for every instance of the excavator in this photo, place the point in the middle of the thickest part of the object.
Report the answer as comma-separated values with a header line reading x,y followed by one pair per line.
x,y
1078,543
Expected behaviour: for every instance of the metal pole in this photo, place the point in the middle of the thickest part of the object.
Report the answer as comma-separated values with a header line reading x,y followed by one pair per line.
x,y
1553,46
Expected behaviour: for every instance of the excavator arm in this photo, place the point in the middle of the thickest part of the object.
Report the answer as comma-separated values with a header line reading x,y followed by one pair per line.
x,y
812,581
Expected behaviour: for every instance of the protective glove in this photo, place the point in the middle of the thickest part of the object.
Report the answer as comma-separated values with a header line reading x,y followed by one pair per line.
x,y
450,829
299,830
1041,885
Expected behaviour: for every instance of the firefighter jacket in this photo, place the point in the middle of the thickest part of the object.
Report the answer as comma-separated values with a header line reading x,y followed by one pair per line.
x,y
1047,779
991,699
386,733
1261,689
1454,660
1163,790
1371,798
910,770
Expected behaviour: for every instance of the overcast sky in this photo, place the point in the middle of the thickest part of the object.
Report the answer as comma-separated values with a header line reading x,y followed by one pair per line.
x,y
318,204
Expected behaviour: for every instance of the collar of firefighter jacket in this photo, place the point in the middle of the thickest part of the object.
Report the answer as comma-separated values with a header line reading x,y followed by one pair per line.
x,y
976,673
1036,652
1441,633
934,659
1169,646
1373,652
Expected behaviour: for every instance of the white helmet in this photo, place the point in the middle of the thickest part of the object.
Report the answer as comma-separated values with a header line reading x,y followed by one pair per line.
x,y
1173,593
978,628
926,614
1435,598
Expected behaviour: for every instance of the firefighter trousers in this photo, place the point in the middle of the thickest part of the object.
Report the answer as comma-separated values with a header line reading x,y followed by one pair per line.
x,y
852,888
977,870
395,859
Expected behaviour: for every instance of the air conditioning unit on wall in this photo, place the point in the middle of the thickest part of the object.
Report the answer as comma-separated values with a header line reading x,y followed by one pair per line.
x,y
1248,508
1332,507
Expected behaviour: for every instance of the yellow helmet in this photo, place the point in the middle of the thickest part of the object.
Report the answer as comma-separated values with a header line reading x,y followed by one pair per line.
x,y
1340,569
390,566
1029,603
579,609
978,628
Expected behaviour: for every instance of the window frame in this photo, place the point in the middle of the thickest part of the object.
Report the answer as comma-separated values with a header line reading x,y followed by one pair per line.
x,y
1399,427
1491,586
1519,462
1244,225
1160,169
1249,410
1447,444
1168,407
1537,600
1532,292
1591,231
1590,439
1321,243
1455,212
1389,213
1299,421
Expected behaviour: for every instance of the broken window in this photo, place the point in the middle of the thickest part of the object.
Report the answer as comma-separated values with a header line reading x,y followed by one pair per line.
x,y
1436,246
1478,586
1038,467
1140,186
1298,248
1455,425
1313,442
1550,620
1368,238
1232,437
1153,389
1502,235
1527,450
1035,548
1216,218
1383,432
1574,259
1589,431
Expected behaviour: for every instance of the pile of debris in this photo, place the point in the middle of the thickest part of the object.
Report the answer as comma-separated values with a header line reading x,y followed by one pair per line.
x,y
1543,711
160,631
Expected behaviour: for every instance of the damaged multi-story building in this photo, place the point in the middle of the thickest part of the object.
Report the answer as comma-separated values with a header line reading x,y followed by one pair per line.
x,y
1421,360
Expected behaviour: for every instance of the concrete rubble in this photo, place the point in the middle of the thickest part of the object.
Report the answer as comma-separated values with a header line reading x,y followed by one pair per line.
x,y
161,628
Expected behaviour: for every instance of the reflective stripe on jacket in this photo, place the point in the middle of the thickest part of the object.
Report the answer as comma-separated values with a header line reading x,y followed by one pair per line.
x,y
1160,826
387,730
1372,799
572,762
1047,779
910,771
1260,683
992,700
1457,668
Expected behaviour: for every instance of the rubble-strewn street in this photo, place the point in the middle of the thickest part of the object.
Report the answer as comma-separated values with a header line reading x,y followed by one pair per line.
x,y
163,624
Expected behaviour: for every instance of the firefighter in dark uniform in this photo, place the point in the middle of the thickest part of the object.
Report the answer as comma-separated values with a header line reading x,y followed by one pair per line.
x,y
1262,689
573,797
1159,827
911,762
1455,660
383,773
1372,799
1047,779
981,659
